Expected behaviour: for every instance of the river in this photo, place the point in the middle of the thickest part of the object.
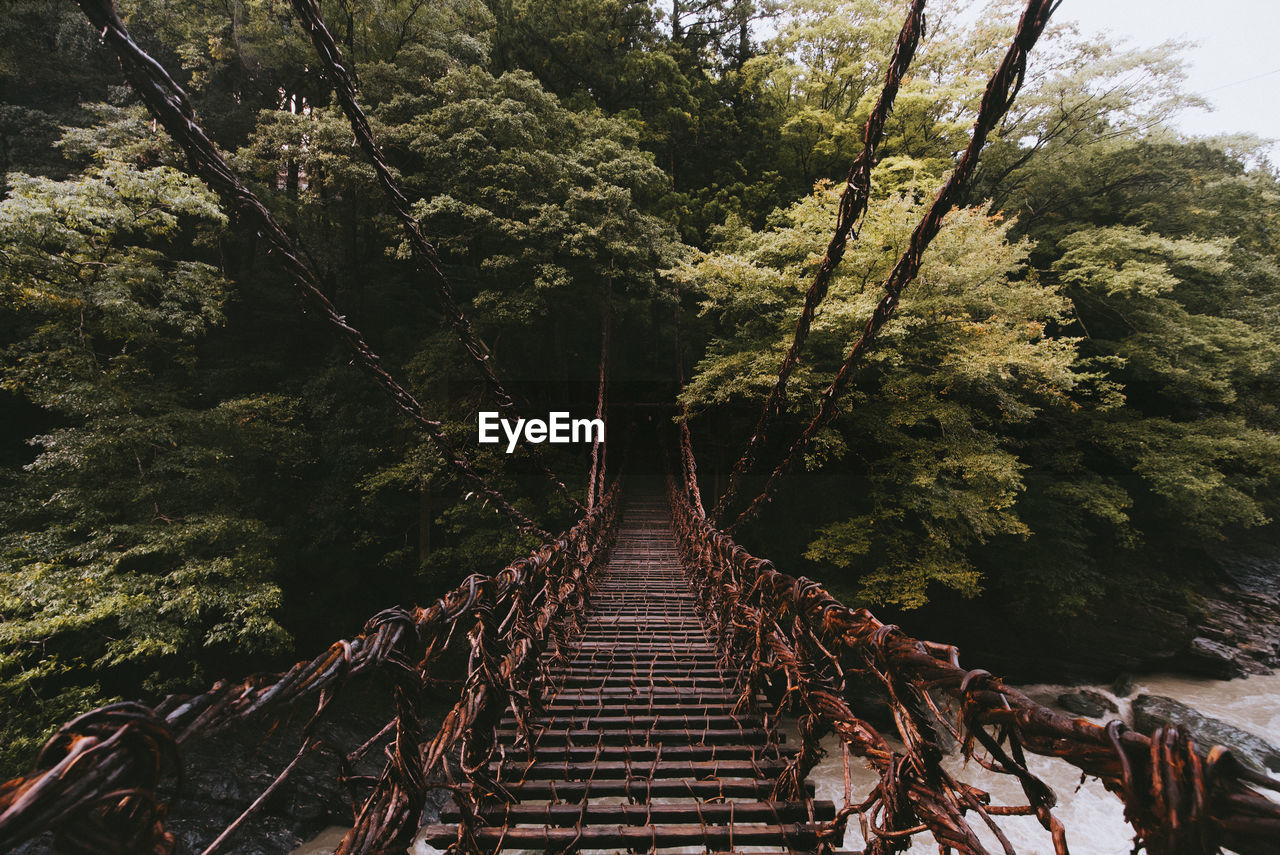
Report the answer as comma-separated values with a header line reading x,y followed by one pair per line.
x,y
1093,817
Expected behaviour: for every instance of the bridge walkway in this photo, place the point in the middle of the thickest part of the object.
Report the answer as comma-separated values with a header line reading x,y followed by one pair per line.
x,y
639,748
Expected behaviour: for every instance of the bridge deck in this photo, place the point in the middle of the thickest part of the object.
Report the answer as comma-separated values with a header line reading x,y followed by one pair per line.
x,y
639,748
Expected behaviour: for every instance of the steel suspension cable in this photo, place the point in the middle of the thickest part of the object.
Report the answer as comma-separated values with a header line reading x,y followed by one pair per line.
x,y
1000,92
169,103
342,80
853,204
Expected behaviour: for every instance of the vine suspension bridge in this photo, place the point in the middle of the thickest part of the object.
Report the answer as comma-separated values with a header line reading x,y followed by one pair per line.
x,y
629,682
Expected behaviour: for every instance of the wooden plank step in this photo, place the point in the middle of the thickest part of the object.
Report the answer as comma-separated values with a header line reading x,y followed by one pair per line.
x,y
608,608
667,612
648,628
598,656
650,638
678,595
649,544
653,622
645,722
644,838
666,575
621,615
633,665
632,670
645,753
623,612
668,665
702,770
628,707
712,813
701,674
633,634
641,647
636,681
620,612
673,593
570,668
760,789
629,736
621,656
554,694
662,593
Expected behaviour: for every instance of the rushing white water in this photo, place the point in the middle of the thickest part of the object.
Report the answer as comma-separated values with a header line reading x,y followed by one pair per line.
x,y
1094,818
1252,704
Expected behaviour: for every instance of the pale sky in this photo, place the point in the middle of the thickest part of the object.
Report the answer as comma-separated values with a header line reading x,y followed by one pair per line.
x,y
1236,66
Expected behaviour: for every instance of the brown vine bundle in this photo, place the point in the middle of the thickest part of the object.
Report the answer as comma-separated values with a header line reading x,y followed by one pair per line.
x,y
95,783
853,204
171,106
791,631
1001,89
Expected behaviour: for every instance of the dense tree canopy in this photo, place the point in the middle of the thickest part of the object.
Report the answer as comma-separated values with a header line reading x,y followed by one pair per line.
x,y
1077,397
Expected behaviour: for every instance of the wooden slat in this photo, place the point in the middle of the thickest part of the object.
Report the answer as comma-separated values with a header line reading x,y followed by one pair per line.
x,y
637,708
642,753
546,769
671,721
644,838
714,813
640,736
757,789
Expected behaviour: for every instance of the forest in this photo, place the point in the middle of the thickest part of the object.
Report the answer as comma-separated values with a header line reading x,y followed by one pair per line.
x,y
1075,406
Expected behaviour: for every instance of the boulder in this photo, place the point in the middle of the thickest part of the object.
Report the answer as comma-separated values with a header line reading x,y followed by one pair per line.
x,y
1087,702
1213,658
1123,685
1154,711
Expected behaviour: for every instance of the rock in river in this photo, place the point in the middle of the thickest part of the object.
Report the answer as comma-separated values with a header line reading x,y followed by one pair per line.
x,y
1088,703
1153,711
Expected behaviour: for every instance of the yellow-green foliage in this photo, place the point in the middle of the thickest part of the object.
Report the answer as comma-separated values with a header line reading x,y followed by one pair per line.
x,y
125,546
922,443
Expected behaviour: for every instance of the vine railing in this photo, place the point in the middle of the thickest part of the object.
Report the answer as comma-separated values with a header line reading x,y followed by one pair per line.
x,y
809,653
96,783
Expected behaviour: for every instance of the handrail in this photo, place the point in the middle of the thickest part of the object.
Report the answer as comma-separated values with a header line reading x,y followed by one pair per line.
x,y
791,632
97,778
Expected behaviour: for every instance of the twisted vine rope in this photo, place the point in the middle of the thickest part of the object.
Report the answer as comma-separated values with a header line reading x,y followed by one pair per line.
x,y
343,82
1001,90
169,103
790,635
95,782
853,204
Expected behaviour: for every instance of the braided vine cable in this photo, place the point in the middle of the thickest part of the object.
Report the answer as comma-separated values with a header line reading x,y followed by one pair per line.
x,y
331,62
171,106
996,100
853,204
